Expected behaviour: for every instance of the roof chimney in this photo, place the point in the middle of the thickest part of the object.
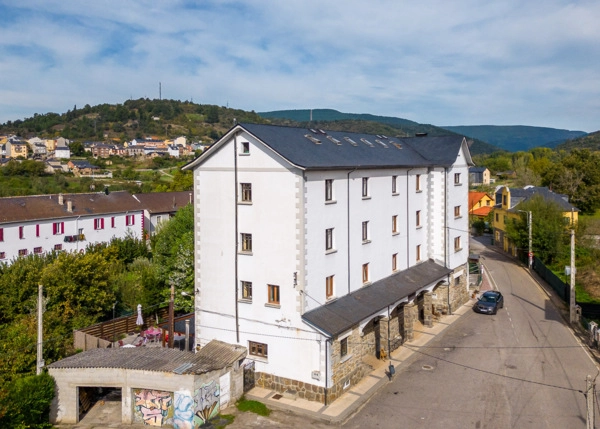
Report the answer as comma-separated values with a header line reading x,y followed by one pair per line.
x,y
60,199
70,206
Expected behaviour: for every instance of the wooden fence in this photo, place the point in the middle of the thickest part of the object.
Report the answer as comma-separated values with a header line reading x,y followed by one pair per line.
x,y
104,334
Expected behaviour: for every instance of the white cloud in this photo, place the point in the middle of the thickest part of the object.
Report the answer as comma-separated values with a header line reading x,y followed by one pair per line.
x,y
439,62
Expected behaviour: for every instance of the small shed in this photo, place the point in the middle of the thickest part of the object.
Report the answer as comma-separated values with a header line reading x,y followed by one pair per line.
x,y
158,386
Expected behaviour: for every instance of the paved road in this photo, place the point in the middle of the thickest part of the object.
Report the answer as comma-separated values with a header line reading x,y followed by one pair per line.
x,y
521,368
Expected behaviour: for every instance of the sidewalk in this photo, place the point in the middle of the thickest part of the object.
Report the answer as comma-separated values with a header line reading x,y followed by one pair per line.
x,y
349,402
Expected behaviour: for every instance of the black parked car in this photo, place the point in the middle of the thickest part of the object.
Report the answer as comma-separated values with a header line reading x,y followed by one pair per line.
x,y
489,302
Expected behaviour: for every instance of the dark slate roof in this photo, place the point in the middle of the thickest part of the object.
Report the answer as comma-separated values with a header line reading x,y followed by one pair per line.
x,y
42,207
83,164
340,315
214,356
164,202
477,169
382,152
519,195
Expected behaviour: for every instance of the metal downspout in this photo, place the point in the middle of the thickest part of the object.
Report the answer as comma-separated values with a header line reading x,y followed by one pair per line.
x,y
348,223
407,222
235,202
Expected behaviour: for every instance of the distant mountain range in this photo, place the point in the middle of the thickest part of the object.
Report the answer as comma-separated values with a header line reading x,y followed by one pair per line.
x,y
516,138
167,118
486,138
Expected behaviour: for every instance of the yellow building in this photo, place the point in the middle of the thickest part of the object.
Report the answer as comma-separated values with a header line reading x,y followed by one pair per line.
x,y
507,209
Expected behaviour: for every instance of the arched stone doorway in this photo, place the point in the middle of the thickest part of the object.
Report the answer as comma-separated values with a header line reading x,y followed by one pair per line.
x,y
372,337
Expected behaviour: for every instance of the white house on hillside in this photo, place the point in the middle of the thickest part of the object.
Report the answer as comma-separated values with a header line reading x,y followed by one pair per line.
x,y
318,250
70,222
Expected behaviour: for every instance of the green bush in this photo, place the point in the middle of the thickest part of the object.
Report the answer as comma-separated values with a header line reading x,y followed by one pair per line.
x,y
27,402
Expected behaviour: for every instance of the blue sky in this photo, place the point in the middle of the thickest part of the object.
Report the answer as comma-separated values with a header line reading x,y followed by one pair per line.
x,y
462,62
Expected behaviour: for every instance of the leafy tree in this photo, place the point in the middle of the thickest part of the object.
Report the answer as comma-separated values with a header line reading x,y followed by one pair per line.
x,y
549,235
27,402
577,175
173,250
212,114
182,181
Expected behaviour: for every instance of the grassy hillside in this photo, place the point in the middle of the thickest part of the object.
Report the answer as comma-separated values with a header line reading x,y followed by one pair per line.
x,y
516,138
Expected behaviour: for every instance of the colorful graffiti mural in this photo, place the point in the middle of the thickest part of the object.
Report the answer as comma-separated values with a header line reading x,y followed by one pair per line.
x,y
207,403
153,407
183,413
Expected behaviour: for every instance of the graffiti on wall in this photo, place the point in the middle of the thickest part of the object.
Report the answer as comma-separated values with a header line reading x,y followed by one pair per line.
x,y
183,412
153,407
207,402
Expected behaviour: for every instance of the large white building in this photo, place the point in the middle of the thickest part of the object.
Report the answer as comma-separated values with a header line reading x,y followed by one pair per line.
x,y
318,249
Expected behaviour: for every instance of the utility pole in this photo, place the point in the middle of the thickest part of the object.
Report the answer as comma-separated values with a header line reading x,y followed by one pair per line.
x,y
172,315
40,355
572,312
530,256
590,394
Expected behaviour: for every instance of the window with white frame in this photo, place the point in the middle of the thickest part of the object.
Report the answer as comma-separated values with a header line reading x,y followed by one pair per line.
x,y
365,273
395,262
247,290
457,178
418,253
246,242
58,228
21,232
23,252
58,247
394,185
329,287
418,183
99,223
418,218
343,347
365,231
395,224
37,250
329,239
112,222
457,245
245,148
246,192
456,211
328,189
258,349
273,294
365,187
129,220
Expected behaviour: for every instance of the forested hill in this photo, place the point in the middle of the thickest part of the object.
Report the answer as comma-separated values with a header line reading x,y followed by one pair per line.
x,y
133,119
331,119
589,141
518,137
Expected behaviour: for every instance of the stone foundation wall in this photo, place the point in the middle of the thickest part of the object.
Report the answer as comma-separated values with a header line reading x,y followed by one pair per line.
x,y
459,291
346,371
302,390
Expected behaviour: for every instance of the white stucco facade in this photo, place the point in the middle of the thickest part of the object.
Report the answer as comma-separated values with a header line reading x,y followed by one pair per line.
x,y
288,215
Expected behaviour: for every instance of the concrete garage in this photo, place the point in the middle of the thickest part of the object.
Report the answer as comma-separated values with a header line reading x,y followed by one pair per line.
x,y
158,386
